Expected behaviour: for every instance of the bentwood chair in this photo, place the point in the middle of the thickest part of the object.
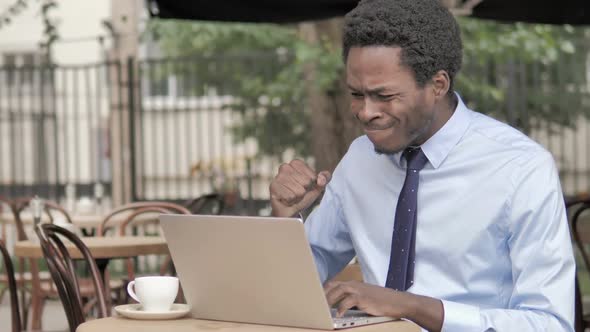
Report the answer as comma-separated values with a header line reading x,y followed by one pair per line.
x,y
64,273
212,203
42,286
5,204
51,212
11,283
578,211
127,211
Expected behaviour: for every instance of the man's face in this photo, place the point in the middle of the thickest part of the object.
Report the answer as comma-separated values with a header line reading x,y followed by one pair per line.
x,y
394,112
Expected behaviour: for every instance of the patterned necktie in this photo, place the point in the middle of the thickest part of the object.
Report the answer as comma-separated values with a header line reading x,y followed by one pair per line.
x,y
401,261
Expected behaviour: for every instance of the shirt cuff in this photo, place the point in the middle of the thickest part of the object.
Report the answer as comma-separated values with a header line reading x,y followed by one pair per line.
x,y
460,317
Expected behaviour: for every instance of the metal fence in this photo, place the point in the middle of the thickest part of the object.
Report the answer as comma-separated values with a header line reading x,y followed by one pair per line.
x,y
54,130
166,128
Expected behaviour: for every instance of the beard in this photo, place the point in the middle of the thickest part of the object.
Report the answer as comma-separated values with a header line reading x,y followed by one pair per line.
x,y
413,138
389,152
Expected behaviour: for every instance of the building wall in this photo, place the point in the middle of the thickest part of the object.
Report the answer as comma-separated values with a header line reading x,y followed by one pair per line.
x,y
79,26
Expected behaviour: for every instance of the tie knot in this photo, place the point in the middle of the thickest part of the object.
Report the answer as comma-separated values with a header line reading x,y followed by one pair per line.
x,y
415,157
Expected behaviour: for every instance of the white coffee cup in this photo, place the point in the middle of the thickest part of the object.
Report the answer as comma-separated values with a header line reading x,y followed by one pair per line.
x,y
156,294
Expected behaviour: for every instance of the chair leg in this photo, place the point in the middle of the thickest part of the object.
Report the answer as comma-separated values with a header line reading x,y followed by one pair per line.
x,y
25,304
23,294
2,293
37,304
180,297
120,295
166,267
88,308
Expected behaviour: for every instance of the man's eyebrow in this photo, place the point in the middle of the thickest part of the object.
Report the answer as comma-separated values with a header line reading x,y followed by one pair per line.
x,y
376,90
350,87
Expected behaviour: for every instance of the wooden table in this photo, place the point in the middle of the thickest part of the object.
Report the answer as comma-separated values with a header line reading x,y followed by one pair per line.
x,y
118,324
102,249
83,221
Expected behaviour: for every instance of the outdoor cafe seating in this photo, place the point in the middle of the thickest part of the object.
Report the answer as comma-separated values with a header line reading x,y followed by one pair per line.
x,y
37,284
120,239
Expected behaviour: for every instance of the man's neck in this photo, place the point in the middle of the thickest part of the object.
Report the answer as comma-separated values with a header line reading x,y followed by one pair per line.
x,y
452,102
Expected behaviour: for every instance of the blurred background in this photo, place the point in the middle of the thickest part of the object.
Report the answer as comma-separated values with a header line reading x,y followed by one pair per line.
x,y
100,101
103,102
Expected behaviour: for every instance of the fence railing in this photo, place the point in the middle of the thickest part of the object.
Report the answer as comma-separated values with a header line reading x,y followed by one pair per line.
x,y
54,130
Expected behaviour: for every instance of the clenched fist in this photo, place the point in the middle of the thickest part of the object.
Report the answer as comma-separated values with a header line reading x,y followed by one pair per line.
x,y
296,187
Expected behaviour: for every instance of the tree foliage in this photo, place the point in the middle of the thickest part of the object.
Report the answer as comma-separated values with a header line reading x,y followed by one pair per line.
x,y
262,65
521,73
525,74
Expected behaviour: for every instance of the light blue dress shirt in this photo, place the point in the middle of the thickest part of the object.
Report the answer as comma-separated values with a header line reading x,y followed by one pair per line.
x,y
492,237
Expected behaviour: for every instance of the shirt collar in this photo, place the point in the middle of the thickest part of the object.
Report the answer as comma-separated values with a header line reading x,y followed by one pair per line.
x,y
438,147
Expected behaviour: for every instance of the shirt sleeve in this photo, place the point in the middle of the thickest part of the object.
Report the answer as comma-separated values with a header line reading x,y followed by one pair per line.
x,y
328,235
543,268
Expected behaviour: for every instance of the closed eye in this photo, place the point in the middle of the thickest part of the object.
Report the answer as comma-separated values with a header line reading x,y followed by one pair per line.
x,y
357,95
385,97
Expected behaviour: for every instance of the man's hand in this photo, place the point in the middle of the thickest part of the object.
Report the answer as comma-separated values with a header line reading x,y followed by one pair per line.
x,y
374,300
380,301
296,187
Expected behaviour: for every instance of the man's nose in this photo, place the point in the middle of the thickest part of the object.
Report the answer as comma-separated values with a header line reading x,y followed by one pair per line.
x,y
369,111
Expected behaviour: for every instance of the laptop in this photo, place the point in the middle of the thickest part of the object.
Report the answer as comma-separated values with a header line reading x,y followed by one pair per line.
x,y
251,269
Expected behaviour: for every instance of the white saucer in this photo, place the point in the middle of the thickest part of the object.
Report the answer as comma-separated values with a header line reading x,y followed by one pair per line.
x,y
134,311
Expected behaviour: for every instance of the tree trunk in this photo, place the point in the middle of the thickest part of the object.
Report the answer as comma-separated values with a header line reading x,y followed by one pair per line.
x,y
333,127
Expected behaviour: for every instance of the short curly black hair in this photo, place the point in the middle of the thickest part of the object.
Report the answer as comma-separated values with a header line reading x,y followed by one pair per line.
x,y
425,30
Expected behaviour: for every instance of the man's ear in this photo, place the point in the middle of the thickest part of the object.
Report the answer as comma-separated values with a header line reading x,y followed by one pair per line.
x,y
441,82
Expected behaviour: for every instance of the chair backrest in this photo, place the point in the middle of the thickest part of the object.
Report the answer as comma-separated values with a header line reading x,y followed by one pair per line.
x,y
51,209
576,209
581,234
141,211
212,203
14,307
132,212
129,212
63,272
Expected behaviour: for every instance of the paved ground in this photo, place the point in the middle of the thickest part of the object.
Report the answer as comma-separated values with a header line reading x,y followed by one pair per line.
x,y
54,318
